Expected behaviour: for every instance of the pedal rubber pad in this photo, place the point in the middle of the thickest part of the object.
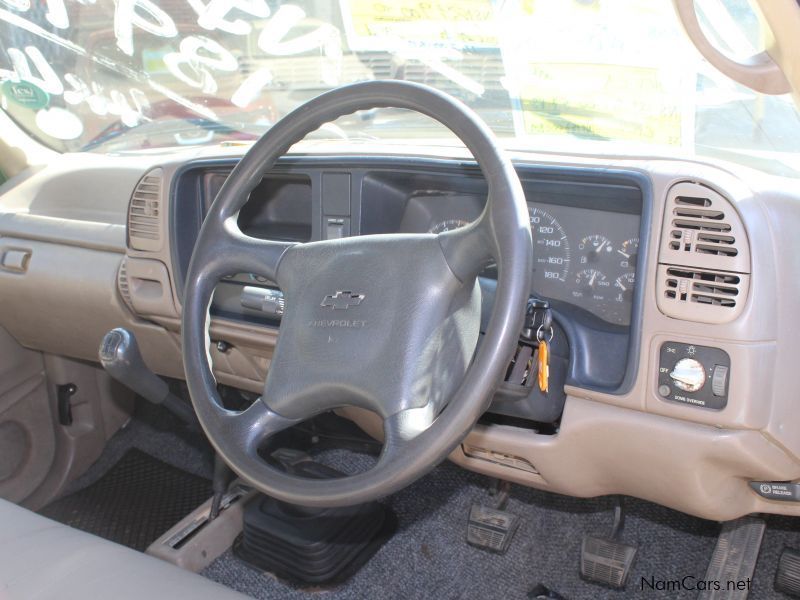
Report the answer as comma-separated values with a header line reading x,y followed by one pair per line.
x,y
490,528
734,559
787,577
606,561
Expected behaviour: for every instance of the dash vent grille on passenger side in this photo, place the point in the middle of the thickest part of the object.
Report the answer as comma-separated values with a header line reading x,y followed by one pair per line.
x,y
700,221
704,260
704,287
144,213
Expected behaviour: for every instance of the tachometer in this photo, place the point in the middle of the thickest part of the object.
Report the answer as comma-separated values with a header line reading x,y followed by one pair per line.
x,y
591,284
448,225
551,253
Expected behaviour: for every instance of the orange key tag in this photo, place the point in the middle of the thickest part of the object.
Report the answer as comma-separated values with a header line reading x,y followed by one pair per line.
x,y
544,366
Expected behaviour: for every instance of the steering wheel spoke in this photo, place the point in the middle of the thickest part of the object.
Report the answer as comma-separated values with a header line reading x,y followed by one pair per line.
x,y
249,428
401,428
468,249
236,252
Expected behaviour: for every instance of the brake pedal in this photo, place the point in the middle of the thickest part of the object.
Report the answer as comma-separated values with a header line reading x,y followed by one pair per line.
x,y
606,560
787,577
734,559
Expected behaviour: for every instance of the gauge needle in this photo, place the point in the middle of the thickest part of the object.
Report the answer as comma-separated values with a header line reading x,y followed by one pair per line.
x,y
623,254
600,247
622,287
591,281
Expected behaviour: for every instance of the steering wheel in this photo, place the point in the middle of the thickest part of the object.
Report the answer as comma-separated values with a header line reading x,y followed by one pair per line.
x,y
389,323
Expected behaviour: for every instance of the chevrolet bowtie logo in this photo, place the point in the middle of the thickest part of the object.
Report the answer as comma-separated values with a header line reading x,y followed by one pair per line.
x,y
342,300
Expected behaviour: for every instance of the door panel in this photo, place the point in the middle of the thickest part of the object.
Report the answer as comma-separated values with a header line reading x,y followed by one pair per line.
x,y
27,432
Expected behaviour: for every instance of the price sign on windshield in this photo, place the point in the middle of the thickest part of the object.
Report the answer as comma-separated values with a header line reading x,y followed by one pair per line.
x,y
379,25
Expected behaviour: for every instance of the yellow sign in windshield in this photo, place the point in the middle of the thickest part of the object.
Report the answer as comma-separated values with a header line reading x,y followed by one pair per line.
x,y
600,102
572,74
453,22
619,93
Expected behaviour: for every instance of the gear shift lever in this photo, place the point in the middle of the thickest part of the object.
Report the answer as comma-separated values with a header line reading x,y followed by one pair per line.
x,y
120,357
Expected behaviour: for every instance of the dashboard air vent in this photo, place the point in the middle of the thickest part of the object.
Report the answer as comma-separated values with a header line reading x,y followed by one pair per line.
x,y
123,285
701,295
144,213
705,287
699,221
704,260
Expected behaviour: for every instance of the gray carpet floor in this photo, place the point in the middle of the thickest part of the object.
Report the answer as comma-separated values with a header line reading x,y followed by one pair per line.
x,y
429,558
162,444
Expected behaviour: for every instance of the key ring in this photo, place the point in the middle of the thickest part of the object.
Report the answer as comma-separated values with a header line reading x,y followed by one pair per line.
x,y
539,335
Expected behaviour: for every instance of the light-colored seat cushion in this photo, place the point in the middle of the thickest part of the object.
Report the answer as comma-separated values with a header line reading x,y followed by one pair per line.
x,y
42,559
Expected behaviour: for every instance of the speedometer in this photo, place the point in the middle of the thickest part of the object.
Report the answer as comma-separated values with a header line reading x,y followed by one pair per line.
x,y
551,253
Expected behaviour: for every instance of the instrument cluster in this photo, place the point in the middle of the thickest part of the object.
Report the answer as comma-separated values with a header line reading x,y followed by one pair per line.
x,y
584,256
590,261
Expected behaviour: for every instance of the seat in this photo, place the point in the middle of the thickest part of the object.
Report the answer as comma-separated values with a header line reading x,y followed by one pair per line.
x,y
41,559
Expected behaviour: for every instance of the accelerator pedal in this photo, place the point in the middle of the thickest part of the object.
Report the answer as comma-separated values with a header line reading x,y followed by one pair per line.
x,y
493,528
734,559
787,577
606,560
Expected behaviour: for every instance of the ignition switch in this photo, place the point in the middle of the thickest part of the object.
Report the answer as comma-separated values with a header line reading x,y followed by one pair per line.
x,y
537,316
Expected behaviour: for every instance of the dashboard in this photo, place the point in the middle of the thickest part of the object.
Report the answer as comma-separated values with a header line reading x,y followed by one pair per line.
x,y
586,228
659,273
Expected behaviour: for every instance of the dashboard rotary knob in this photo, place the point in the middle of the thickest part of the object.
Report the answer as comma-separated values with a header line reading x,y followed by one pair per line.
x,y
688,374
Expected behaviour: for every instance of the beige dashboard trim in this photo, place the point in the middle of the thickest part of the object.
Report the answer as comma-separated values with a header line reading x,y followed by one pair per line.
x,y
697,469
601,451
91,235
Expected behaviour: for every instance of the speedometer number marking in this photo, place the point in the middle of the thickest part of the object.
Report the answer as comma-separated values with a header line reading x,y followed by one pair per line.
x,y
551,247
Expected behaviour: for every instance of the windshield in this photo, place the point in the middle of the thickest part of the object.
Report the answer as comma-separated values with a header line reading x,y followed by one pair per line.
x,y
596,75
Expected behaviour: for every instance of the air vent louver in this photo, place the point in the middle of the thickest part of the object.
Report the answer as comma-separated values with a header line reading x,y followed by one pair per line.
x,y
144,213
704,262
122,284
705,287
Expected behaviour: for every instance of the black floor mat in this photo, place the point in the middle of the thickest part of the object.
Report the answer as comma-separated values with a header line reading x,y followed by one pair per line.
x,y
133,503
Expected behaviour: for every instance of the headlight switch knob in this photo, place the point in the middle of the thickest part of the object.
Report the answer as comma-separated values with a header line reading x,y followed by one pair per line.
x,y
688,375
